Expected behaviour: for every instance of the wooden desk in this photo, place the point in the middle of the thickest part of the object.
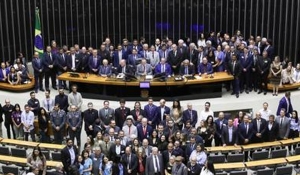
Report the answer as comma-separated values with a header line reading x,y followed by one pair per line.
x,y
23,161
266,162
226,166
19,143
49,146
261,145
290,159
224,149
285,87
95,79
17,88
290,141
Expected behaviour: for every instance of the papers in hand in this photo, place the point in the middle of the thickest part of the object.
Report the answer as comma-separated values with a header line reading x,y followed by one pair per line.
x,y
120,76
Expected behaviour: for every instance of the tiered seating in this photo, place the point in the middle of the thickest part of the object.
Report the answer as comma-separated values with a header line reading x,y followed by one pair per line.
x,y
17,88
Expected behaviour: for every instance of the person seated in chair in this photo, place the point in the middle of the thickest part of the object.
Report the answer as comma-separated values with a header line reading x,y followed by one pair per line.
x,y
125,69
23,73
163,67
143,69
13,77
287,75
186,68
205,68
3,73
105,69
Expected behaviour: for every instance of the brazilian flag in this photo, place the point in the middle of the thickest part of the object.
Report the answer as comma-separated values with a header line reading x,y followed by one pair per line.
x,y
38,40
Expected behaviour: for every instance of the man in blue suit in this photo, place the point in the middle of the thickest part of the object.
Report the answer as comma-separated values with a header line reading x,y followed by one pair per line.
x,y
162,111
163,52
144,130
285,103
94,62
220,123
3,73
151,112
49,68
246,61
38,72
118,55
134,58
245,131
105,69
186,68
205,68
135,45
163,67
190,115
62,66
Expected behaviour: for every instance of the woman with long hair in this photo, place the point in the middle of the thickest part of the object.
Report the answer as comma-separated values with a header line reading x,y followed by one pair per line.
x,y
162,143
202,129
135,146
37,160
275,74
13,77
141,161
153,140
17,124
239,118
87,163
211,128
106,168
98,139
176,114
208,169
294,127
43,120
89,140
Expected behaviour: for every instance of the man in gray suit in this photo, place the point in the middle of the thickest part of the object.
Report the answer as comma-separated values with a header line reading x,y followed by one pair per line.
x,y
284,125
143,69
75,98
153,57
146,147
179,168
154,163
106,114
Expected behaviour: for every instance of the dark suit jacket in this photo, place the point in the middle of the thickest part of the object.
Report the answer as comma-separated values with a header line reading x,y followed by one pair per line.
x,y
133,164
84,62
205,68
128,69
243,134
132,61
246,63
192,56
116,58
47,61
141,134
189,149
167,112
151,115
262,130
149,169
112,152
36,67
121,116
89,117
77,62
66,157
158,70
264,66
174,60
165,155
92,64
194,170
60,62
225,135
271,134
186,115
283,104
236,71
133,113
191,70
105,70
219,127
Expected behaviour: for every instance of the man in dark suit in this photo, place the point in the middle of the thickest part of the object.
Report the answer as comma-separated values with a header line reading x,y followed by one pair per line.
x,y
245,133
49,68
284,125
205,68
116,150
230,134
190,114
269,49
69,156
246,61
105,69
263,69
154,163
137,111
62,66
4,72
271,130
285,103
84,57
123,68
170,129
144,130
254,71
134,58
121,113
74,61
190,147
220,123
89,116
163,67
130,161
151,113
166,154
175,59
94,62
135,45
259,128
193,168
192,54
104,54
162,111
163,52
106,114
118,56
38,72
186,68
234,68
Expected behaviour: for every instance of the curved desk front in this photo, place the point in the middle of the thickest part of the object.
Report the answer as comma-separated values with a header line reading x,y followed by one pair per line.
x,y
208,86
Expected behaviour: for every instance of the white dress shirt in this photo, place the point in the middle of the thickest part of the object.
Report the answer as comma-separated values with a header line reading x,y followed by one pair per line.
x,y
27,118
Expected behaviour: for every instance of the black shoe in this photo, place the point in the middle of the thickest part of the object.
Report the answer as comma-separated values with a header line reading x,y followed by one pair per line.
x,y
250,90
259,92
241,91
247,92
237,95
47,89
42,90
232,93
265,93
255,90
53,87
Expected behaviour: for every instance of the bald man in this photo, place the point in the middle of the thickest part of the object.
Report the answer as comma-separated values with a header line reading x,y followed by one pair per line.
x,y
220,123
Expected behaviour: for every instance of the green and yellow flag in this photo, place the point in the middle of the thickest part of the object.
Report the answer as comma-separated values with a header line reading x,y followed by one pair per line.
x,y
38,39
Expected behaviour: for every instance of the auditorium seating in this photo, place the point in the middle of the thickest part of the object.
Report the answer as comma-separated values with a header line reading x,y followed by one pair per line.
x,y
285,87
17,88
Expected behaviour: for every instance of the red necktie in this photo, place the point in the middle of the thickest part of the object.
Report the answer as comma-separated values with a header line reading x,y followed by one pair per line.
x,y
144,130
122,113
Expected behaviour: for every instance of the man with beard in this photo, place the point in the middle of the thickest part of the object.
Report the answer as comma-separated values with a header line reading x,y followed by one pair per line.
x,y
89,116
62,99
84,56
7,111
58,121
69,156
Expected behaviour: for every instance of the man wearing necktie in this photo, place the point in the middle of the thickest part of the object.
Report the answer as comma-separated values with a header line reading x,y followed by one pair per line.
x,y
38,72
259,128
94,62
48,62
163,67
190,114
186,68
121,113
245,133
130,162
285,103
105,69
234,68
284,125
154,163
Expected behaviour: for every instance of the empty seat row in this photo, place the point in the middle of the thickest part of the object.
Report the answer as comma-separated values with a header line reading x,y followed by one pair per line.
x,y
285,170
